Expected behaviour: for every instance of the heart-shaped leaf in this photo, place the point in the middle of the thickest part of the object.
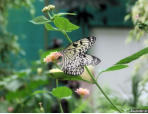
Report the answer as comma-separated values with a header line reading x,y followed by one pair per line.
x,y
50,27
61,92
64,24
40,20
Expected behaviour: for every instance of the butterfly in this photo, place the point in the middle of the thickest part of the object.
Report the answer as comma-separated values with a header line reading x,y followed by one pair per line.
x,y
75,58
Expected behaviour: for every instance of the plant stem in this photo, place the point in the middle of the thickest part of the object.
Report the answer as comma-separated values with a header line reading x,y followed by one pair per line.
x,y
55,63
61,109
101,89
49,15
59,102
66,35
57,83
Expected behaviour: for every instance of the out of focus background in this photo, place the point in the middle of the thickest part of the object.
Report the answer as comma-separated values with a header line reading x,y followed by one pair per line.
x,y
121,30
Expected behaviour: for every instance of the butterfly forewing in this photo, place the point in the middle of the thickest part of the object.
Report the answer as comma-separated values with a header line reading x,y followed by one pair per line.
x,y
80,46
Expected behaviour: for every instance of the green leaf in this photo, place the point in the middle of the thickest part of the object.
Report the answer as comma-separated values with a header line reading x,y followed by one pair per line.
x,y
63,76
133,56
127,17
81,107
14,85
40,91
50,27
64,24
62,14
27,91
4,106
115,67
40,20
61,92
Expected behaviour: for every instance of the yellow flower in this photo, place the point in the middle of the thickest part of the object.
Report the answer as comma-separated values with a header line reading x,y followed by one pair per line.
x,y
52,57
82,91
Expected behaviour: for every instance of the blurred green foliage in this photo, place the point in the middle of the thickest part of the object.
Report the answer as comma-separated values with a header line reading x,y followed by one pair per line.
x,y
63,25
17,89
28,90
8,41
139,16
24,90
137,12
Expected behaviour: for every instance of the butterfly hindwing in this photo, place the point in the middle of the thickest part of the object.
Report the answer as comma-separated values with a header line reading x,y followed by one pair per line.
x,y
73,71
89,60
72,67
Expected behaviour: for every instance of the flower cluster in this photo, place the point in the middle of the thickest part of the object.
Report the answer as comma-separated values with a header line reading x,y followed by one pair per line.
x,y
52,57
82,91
48,8
139,11
10,109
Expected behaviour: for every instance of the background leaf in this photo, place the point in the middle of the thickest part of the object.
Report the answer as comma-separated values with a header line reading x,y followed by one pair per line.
x,y
133,56
4,106
50,27
115,67
40,20
81,107
39,91
62,14
61,92
64,24
14,85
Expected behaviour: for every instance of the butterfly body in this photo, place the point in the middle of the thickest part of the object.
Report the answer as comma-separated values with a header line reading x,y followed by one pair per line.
x,y
75,58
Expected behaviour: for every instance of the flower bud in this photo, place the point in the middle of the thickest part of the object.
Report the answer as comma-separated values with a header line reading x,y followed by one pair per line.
x,y
39,70
45,9
10,109
51,7
48,8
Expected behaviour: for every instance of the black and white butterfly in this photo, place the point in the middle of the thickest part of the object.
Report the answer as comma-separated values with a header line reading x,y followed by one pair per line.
x,y
75,58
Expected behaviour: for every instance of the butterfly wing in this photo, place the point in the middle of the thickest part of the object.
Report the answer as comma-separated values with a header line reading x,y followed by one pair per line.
x,y
76,66
72,67
89,60
74,71
80,46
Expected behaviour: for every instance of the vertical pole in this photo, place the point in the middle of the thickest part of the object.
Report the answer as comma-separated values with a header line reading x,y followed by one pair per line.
x,y
46,2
